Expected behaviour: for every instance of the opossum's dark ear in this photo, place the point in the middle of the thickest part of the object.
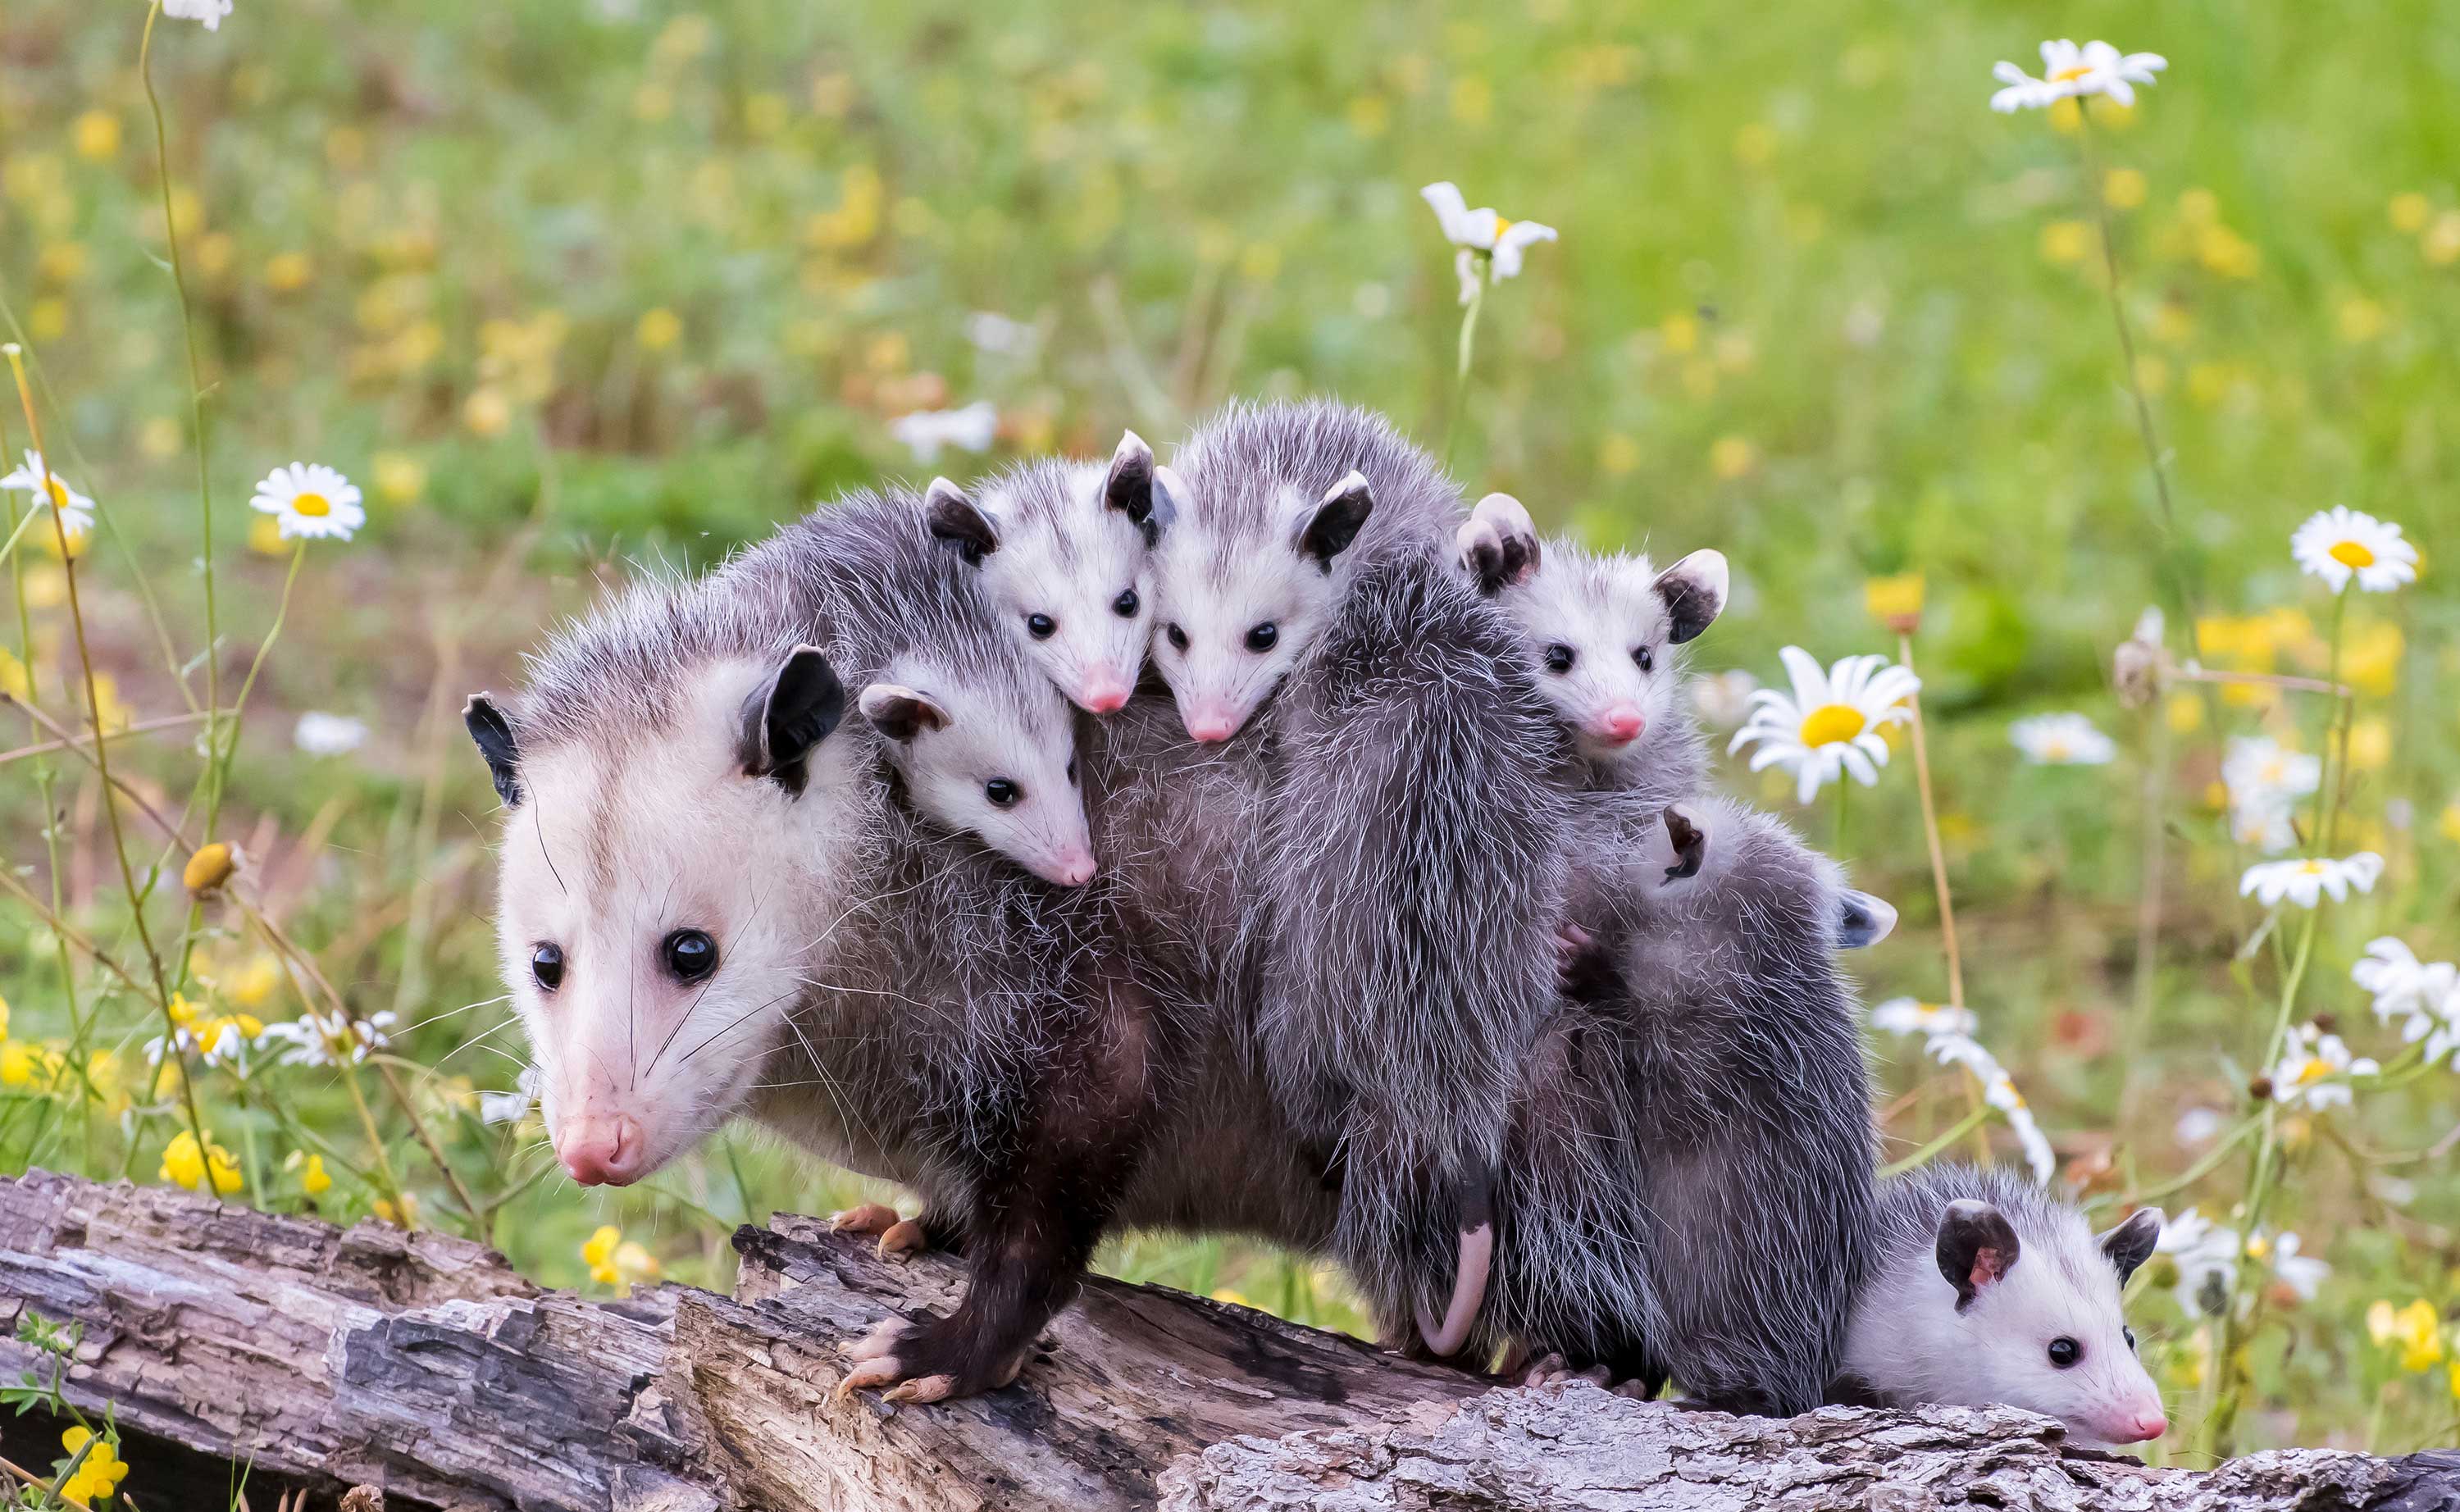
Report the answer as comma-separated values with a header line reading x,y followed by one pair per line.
x,y
900,713
2131,1244
1335,522
494,734
786,714
957,520
1169,496
1129,488
1975,1248
1863,919
1498,545
1694,591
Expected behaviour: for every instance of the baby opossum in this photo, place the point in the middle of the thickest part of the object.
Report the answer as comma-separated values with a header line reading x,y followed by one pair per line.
x,y
1688,1188
1609,634
712,900
1313,627
1985,1289
1064,549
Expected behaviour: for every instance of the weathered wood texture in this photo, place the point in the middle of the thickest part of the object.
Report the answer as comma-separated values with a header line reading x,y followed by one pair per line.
x,y
329,1358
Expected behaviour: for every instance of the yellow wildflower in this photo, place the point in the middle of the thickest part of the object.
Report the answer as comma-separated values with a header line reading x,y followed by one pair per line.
x,y
400,478
97,138
403,1215
185,1163
209,868
265,537
598,1253
2411,211
2123,188
1731,456
4,1018
2417,1330
1894,601
312,1179
658,328
2448,823
288,272
18,1063
14,680
2441,242
2066,242
99,1473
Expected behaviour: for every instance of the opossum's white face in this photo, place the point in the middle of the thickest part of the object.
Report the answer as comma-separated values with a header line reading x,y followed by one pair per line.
x,y
2034,1323
1608,635
657,908
1236,615
1002,768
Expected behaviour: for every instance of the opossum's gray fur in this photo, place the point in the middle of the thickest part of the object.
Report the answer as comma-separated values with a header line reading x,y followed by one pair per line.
x,y
1412,842
1688,1188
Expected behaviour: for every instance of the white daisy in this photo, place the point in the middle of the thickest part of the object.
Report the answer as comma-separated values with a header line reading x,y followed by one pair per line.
x,y
319,1039
2303,1274
927,432
323,735
209,11
2070,71
1482,235
2264,780
511,1107
2316,1072
2207,1257
1724,698
1905,1016
2423,996
2339,544
2068,739
1999,1090
313,501
74,509
2196,1126
1831,725
2304,882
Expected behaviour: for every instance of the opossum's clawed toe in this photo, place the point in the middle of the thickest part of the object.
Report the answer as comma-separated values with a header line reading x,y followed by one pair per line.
x,y
1546,1370
876,1344
903,1240
927,1389
933,1360
1498,544
871,1218
1686,843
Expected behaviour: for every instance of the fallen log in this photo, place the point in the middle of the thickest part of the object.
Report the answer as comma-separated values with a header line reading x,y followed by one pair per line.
x,y
323,1359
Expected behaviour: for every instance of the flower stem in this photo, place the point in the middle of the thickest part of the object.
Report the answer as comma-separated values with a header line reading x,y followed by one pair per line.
x,y
1970,1123
1460,371
1930,833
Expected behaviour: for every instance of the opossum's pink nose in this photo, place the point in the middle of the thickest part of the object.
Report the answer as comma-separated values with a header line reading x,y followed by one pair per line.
x,y
1105,691
601,1150
1072,868
2143,1424
1211,722
1620,723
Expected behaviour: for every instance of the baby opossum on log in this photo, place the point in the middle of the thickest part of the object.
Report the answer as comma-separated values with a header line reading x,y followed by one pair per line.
x,y
1314,626
713,899
1688,1188
1983,1287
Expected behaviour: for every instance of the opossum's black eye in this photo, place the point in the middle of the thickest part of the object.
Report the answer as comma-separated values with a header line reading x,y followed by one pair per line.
x,y
1003,794
1644,658
1040,626
1177,637
690,955
2129,1334
1071,771
1558,658
2064,1351
1125,605
547,964
1262,637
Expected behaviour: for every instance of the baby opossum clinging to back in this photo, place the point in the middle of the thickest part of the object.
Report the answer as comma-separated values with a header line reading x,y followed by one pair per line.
x,y
1984,1288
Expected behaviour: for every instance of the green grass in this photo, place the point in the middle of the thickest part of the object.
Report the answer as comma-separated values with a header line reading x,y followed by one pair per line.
x,y
424,237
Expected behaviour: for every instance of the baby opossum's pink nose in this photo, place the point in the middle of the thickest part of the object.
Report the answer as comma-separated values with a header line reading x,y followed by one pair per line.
x,y
1104,693
2140,1426
1074,868
600,1150
1211,724
1620,723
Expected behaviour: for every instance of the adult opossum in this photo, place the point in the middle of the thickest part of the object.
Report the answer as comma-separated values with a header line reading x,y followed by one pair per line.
x,y
1984,1288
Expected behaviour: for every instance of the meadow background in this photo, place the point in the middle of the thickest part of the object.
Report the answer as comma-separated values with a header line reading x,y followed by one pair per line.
x,y
571,288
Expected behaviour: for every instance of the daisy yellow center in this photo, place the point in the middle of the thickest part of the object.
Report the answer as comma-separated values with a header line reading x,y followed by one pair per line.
x,y
2312,868
2071,73
312,505
2352,554
1832,724
2314,1069
59,492
1501,225
2058,748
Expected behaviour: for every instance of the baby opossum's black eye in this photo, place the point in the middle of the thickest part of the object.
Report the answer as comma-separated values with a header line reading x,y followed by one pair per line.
x,y
1177,637
1558,658
2064,1351
2129,1334
1644,658
1040,626
1262,637
1071,771
1003,794
690,955
1125,605
547,964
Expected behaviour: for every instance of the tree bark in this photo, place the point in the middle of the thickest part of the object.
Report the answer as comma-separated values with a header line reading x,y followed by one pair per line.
x,y
323,1360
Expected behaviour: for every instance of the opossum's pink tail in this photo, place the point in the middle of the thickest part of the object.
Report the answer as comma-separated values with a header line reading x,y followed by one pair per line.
x,y
1469,1277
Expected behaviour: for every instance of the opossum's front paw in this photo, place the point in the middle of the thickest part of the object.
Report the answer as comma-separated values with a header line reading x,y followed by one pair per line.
x,y
1553,1369
925,1362
1571,941
1497,543
901,1238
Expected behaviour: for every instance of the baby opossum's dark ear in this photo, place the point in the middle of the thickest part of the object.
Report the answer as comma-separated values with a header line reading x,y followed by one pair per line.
x,y
1694,591
1169,496
900,713
1863,919
494,734
1129,488
2131,1244
1335,522
1975,1248
955,518
787,714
